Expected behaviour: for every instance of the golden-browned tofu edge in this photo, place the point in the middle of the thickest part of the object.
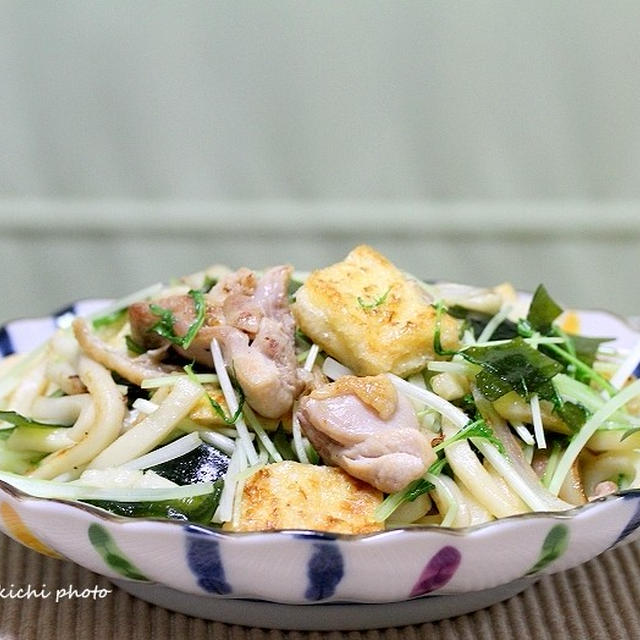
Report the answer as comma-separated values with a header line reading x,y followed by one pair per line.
x,y
292,495
367,314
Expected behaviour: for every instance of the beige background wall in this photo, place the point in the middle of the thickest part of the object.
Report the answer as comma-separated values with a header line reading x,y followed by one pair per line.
x,y
475,141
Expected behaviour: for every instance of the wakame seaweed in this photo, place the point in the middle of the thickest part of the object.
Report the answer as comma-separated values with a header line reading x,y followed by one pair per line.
x,y
193,509
514,366
203,464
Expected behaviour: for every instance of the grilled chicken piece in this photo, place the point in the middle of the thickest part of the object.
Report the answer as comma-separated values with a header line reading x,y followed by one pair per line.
x,y
239,300
229,302
142,319
239,308
133,369
365,427
367,314
267,368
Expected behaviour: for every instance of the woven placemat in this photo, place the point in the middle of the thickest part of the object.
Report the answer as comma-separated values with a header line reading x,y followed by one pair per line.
x,y
598,600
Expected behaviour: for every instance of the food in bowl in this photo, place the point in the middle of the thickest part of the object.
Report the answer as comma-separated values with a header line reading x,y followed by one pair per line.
x,y
353,399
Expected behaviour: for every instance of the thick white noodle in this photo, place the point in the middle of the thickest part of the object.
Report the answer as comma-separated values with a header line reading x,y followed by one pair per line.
x,y
29,388
470,472
150,431
109,413
63,410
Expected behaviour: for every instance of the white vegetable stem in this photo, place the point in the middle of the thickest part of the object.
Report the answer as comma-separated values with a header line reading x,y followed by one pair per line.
x,y
232,403
237,464
261,434
627,367
523,432
588,429
311,357
219,441
296,432
445,496
73,491
175,449
538,427
494,323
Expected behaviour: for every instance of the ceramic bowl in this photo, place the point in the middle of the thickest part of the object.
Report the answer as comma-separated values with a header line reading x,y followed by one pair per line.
x,y
311,580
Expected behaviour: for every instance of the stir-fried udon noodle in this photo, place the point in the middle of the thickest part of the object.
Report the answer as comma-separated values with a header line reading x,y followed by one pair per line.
x,y
351,399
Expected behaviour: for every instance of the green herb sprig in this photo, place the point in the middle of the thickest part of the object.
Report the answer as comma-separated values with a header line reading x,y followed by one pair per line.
x,y
165,326
476,429
376,303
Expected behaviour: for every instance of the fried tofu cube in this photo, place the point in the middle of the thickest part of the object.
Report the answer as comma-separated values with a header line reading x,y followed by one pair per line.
x,y
204,414
292,495
367,314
